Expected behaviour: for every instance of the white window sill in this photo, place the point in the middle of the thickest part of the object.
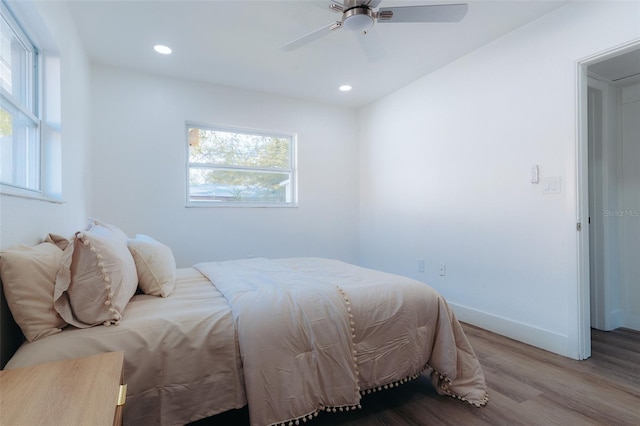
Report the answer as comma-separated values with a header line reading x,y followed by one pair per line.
x,y
10,191
208,204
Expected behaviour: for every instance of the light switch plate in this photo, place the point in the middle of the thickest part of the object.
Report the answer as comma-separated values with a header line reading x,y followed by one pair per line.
x,y
551,185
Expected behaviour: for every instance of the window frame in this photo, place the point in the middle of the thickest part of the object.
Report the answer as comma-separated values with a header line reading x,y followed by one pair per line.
x,y
29,111
292,170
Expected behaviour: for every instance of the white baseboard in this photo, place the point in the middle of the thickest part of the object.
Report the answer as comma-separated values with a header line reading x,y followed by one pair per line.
x,y
544,339
632,322
617,318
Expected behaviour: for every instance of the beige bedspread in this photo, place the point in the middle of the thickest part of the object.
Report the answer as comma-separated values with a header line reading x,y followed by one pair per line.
x,y
399,328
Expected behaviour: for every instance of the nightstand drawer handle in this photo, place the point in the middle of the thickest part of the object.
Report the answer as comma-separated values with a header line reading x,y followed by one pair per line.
x,y
122,394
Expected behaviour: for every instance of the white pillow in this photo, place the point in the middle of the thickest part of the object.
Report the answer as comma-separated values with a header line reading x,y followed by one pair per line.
x,y
102,228
28,277
96,280
155,265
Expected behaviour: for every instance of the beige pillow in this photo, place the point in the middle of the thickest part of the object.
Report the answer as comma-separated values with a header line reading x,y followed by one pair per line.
x,y
60,241
155,265
96,280
28,277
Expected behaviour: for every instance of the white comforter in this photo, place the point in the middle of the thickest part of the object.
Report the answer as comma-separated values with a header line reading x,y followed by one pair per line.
x,y
295,335
383,329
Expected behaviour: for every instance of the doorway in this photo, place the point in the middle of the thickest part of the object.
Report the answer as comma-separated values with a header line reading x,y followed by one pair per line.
x,y
609,194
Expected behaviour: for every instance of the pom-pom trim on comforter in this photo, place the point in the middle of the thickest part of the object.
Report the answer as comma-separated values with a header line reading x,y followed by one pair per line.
x,y
298,321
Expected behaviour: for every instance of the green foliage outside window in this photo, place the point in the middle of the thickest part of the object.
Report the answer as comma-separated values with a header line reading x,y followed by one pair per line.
x,y
6,123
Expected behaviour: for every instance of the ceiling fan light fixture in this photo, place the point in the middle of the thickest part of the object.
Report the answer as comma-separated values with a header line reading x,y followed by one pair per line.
x,y
358,19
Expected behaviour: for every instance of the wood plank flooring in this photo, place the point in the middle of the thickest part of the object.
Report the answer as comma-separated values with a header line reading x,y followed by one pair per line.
x,y
527,386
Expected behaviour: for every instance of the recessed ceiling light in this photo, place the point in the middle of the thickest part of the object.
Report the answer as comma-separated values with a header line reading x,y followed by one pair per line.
x,y
345,88
165,50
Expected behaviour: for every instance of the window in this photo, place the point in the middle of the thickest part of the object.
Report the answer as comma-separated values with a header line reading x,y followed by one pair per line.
x,y
20,166
238,167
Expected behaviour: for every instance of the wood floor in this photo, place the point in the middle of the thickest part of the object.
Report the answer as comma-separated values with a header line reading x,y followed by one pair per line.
x,y
527,386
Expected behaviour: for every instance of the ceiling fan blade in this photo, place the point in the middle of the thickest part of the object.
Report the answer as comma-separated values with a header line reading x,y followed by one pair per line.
x,y
425,13
308,38
336,7
371,45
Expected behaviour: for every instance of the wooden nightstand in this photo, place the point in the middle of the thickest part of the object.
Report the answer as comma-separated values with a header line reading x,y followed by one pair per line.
x,y
80,391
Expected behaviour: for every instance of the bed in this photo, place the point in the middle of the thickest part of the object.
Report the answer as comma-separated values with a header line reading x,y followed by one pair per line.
x,y
289,337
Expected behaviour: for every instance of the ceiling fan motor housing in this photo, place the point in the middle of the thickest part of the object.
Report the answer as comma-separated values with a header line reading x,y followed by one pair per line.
x,y
358,19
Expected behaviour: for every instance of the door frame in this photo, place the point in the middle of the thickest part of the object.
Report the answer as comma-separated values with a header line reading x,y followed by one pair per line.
x,y
582,339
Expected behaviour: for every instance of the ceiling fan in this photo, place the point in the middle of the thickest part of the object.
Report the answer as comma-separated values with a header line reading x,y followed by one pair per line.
x,y
358,16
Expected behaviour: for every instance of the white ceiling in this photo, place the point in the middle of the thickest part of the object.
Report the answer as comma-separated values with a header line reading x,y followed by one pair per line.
x,y
236,43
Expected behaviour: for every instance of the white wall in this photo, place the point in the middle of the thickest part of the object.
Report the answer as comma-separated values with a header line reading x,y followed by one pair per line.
x,y
26,221
629,212
614,197
139,169
605,149
445,175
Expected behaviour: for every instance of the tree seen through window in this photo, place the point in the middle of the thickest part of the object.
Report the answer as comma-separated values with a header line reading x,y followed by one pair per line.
x,y
239,166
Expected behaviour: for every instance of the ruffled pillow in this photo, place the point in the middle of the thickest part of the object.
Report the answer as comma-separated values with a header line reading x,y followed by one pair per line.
x,y
96,280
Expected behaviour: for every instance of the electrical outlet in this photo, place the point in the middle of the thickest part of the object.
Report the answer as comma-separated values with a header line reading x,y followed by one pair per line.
x,y
443,269
420,265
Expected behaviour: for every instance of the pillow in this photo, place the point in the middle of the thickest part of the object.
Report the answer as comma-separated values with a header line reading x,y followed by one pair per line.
x,y
99,227
155,264
96,280
28,276
60,241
